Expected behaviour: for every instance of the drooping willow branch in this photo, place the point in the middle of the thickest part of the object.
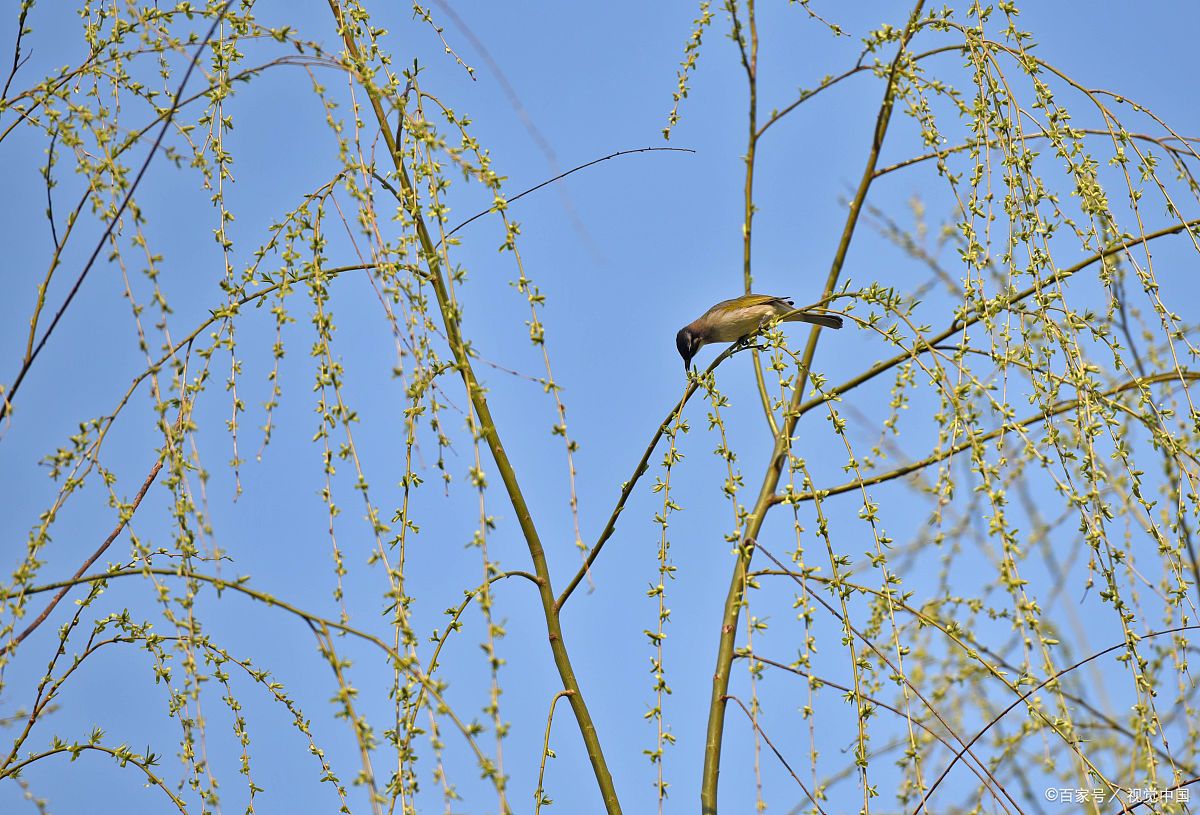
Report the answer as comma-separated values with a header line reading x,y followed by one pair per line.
x,y
970,647
408,199
238,585
33,350
1164,143
899,676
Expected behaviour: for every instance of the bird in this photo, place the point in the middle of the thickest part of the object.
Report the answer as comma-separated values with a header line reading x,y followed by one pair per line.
x,y
736,319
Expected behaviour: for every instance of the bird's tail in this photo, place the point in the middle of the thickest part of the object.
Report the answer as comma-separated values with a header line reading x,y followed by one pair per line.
x,y
827,320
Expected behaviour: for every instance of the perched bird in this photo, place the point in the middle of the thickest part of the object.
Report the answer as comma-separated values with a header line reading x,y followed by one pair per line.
x,y
736,319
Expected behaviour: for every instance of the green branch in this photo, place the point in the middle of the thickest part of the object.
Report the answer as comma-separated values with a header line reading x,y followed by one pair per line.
x,y
733,600
942,455
487,427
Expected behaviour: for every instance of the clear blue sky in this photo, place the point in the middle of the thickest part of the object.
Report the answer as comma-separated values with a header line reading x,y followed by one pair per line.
x,y
626,252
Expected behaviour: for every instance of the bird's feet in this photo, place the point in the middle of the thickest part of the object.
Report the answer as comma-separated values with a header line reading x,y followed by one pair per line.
x,y
747,343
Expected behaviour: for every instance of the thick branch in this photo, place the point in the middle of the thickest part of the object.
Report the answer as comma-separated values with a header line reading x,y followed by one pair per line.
x,y
487,426
733,600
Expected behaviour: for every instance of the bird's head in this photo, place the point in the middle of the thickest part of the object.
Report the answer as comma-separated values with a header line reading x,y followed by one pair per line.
x,y
688,342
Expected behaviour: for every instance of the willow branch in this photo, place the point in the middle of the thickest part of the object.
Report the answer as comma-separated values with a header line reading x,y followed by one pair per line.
x,y
429,253
984,777
221,584
123,757
942,455
733,600
961,323
972,649
31,354
995,720
959,148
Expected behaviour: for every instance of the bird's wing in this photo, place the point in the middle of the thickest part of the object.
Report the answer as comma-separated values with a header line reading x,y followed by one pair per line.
x,y
752,300
764,299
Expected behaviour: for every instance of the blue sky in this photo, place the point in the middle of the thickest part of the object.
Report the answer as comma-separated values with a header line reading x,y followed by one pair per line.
x,y
626,252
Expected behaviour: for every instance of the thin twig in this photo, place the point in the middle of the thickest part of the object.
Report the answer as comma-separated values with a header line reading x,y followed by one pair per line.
x,y
778,754
538,793
638,471
17,61
50,187
514,101
561,176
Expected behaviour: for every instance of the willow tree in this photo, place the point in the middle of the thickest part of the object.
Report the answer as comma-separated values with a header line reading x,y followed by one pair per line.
x,y
973,536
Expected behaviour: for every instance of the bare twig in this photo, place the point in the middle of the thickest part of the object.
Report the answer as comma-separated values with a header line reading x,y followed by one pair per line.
x,y
126,515
778,754
561,176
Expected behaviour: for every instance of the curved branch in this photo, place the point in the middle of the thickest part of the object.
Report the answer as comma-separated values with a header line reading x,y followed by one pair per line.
x,y
124,756
960,323
942,455
238,585
830,82
539,794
